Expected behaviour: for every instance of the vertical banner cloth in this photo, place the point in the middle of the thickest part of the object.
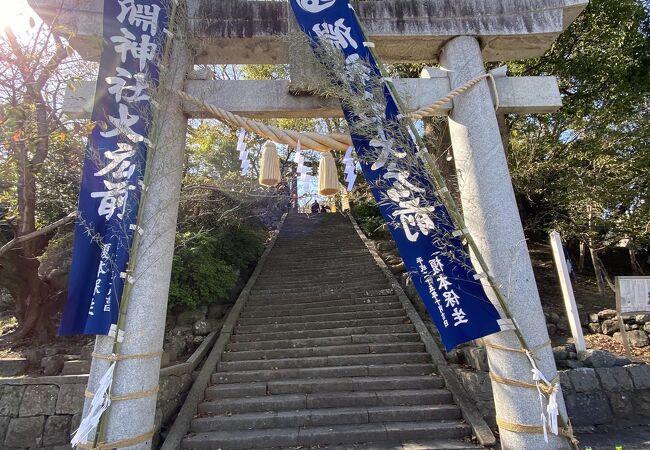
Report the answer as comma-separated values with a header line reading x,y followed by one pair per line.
x,y
433,253
134,33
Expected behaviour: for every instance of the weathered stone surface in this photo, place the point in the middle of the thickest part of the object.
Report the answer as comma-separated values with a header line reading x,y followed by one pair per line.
x,y
57,430
560,353
588,409
476,357
10,397
4,424
638,338
646,327
478,384
641,403
607,314
202,327
609,326
565,381
25,432
640,376
593,317
615,379
170,387
71,399
385,246
597,358
584,380
188,317
75,367
39,400
621,404
642,318
12,367
52,365
33,357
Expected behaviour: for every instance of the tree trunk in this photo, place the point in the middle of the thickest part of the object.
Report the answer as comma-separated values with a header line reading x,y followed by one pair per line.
x,y
598,272
581,259
636,267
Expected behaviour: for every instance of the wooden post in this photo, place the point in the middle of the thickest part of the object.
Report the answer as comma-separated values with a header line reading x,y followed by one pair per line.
x,y
621,324
567,292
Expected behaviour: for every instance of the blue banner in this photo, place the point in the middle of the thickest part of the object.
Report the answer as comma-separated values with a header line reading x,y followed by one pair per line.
x,y
133,37
431,248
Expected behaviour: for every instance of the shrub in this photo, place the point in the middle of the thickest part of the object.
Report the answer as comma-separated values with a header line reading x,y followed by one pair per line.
x,y
367,214
207,265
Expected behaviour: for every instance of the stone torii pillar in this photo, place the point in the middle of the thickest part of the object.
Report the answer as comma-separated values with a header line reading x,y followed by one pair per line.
x,y
145,316
491,214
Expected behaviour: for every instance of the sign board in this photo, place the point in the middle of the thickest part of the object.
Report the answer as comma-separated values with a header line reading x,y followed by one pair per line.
x,y
633,294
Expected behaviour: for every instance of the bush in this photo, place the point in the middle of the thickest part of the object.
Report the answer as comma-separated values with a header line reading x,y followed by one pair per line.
x,y
367,214
207,265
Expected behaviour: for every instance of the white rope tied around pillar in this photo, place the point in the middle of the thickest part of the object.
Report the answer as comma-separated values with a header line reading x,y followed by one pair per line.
x,y
549,419
100,403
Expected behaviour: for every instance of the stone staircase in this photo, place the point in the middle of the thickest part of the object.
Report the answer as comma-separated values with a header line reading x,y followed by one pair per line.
x,y
324,356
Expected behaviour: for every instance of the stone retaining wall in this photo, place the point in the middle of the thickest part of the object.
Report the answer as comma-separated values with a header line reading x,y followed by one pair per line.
x,y
593,396
42,412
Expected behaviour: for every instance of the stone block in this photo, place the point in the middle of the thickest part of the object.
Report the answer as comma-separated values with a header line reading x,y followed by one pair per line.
x,y
565,382
607,314
621,404
615,379
640,376
385,246
638,338
476,357
13,367
39,400
170,387
398,268
25,432
551,328
642,318
641,403
588,409
597,358
593,317
477,384
4,424
190,316
584,380
52,365
10,398
76,367
71,399
609,326
57,430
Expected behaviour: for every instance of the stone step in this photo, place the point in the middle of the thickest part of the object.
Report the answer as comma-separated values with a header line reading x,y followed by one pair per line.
x,y
328,332
329,435
285,402
326,416
335,279
323,295
334,350
324,341
302,312
319,385
419,444
324,361
312,326
296,308
382,370
323,318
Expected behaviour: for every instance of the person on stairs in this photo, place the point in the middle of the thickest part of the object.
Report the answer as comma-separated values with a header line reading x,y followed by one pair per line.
x,y
315,207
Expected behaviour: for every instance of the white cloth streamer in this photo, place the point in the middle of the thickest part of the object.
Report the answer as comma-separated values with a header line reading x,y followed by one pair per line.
x,y
100,403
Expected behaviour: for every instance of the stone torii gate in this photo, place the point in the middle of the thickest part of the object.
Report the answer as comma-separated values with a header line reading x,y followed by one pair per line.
x,y
460,35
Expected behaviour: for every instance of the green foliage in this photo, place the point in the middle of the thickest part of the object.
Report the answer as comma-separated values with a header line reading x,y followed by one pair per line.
x,y
584,169
207,264
367,214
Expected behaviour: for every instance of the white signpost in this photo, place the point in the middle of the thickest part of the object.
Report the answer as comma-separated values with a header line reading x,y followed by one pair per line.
x,y
632,296
567,292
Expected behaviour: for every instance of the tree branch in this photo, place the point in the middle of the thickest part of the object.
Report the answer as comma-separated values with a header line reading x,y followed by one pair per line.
x,y
46,229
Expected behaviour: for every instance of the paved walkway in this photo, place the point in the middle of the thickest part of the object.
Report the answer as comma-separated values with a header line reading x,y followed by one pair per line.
x,y
608,437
